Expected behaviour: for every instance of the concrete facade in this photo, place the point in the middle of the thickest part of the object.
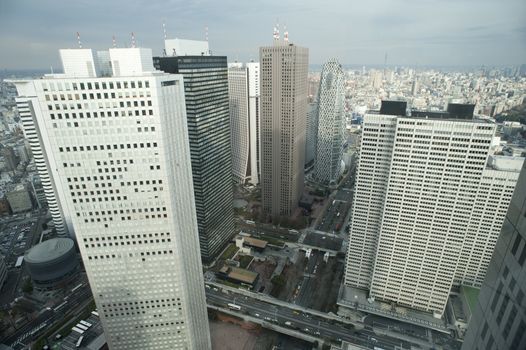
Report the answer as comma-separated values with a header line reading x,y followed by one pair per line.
x,y
284,68
119,144
427,209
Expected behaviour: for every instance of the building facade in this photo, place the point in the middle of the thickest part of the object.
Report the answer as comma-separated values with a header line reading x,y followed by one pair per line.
x,y
208,120
284,69
19,200
499,319
311,134
331,124
243,92
25,104
117,138
427,207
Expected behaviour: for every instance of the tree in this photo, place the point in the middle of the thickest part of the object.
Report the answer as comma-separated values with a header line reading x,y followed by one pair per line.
x,y
27,287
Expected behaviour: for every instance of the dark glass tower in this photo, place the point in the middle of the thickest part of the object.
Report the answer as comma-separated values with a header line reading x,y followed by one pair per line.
x,y
499,319
206,96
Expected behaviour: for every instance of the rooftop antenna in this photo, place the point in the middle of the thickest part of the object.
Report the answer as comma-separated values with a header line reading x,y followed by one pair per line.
x,y
113,42
275,33
78,40
277,29
206,33
133,39
164,30
51,69
285,34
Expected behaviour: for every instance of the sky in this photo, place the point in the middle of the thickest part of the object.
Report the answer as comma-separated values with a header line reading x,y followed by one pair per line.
x,y
411,32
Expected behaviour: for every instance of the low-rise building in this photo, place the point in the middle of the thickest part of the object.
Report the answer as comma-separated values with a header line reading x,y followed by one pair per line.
x,y
19,200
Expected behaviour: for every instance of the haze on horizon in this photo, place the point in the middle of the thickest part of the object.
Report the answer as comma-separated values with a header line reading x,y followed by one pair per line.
x,y
411,32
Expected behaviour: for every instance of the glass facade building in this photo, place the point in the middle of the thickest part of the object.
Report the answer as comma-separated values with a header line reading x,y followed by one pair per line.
x,y
499,319
207,110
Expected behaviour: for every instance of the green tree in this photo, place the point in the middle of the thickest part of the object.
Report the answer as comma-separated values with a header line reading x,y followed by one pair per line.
x,y
27,287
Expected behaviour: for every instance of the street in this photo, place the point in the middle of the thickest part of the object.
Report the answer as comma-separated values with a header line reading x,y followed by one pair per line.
x,y
309,324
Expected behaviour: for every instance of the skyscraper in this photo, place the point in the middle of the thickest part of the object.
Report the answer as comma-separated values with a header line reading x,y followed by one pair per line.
x,y
499,318
428,205
284,69
311,133
117,140
243,91
52,190
331,124
208,120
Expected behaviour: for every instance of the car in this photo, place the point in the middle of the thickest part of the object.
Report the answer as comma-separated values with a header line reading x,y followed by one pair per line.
x,y
58,336
257,315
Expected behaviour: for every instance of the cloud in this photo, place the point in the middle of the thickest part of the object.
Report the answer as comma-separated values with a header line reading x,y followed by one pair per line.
x,y
469,31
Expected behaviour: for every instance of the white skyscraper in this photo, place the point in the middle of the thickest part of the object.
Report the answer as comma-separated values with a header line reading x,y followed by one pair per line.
x,y
243,91
116,140
428,207
331,124
51,190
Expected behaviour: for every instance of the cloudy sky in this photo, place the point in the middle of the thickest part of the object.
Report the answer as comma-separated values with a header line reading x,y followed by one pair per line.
x,y
411,32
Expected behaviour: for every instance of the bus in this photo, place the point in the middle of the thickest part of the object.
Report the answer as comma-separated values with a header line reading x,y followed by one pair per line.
x,y
81,326
79,341
87,324
78,330
234,306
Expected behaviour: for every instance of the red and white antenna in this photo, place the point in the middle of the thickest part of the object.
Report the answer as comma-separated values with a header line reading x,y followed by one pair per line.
x,y
113,42
133,39
164,30
285,34
206,33
78,40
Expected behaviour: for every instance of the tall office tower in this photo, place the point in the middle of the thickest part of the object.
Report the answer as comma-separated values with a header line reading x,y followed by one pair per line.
x,y
47,174
208,120
284,69
428,205
311,133
331,124
243,91
499,318
117,138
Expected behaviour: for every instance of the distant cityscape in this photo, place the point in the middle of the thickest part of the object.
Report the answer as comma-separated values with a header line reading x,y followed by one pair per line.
x,y
187,201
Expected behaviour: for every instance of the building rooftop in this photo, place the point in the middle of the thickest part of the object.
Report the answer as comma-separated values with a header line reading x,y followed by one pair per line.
x,y
254,242
242,275
49,250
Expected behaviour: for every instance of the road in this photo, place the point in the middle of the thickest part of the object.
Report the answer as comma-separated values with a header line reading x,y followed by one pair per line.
x,y
309,324
34,329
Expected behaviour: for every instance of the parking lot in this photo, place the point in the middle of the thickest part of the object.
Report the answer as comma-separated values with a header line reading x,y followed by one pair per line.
x,y
15,239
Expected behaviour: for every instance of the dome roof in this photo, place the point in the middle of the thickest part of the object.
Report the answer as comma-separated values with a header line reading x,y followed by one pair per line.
x,y
49,250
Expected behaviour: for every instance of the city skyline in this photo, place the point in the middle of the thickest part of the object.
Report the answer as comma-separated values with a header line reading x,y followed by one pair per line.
x,y
407,32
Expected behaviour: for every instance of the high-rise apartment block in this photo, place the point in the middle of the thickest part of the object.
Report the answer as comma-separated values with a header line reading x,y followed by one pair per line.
x,y
284,69
46,173
243,91
114,132
331,124
208,120
429,203
499,318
